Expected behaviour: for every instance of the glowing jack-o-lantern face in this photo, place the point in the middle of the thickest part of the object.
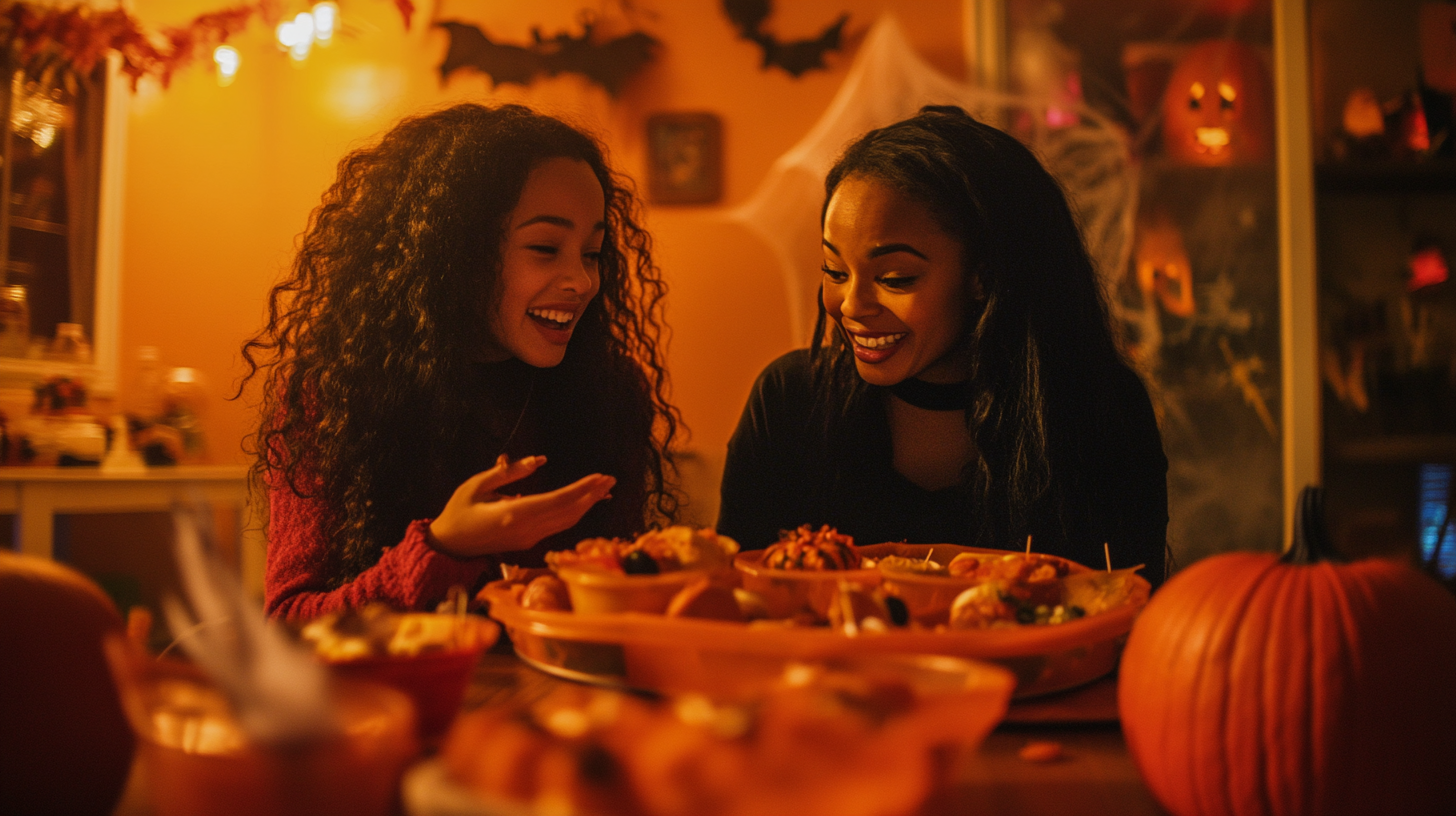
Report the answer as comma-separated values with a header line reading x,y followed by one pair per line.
x,y
1216,107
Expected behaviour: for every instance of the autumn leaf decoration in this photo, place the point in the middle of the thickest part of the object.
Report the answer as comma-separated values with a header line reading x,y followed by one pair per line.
x,y
40,39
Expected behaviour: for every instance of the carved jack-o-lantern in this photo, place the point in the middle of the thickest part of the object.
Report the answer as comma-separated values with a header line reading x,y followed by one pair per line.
x,y
1216,108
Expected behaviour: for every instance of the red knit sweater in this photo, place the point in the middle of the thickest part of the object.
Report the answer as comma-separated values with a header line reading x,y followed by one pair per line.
x,y
411,575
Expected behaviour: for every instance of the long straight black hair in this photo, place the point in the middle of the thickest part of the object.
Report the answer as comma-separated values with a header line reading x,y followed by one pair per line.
x,y
1039,341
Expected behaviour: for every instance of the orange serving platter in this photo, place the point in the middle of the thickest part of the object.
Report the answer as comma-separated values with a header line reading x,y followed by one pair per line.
x,y
675,655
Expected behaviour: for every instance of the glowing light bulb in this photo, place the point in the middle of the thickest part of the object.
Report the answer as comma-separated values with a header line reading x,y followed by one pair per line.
x,y
227,59
325,21
287,35
303,36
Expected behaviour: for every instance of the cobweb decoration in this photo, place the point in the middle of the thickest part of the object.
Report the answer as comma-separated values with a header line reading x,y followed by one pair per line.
x,y
888,82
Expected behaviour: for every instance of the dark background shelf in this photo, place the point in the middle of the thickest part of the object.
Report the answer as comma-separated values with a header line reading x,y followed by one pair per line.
x,y
1411,448
1430,176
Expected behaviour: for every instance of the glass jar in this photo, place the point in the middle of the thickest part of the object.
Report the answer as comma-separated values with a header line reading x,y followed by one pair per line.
x,y
70,344
14,321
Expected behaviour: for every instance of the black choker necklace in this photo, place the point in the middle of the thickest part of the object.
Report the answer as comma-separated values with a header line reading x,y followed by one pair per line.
x,y
932,396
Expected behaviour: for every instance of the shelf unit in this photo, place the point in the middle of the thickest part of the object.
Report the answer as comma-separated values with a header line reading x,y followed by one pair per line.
x,y
61,151
1373,215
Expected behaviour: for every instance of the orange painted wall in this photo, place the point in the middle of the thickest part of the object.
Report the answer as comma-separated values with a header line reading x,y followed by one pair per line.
x,y
219,181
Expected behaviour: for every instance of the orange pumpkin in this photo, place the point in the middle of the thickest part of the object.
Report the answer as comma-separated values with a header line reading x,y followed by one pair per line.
x,y
1216,108
1254,685
65,746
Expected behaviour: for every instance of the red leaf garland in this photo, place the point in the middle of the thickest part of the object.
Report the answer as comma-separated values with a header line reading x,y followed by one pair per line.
x,y
37,37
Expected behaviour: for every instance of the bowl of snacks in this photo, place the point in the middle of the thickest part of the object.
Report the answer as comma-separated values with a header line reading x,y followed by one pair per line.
x,y
590,750
932,580
608,575
428,656
801,574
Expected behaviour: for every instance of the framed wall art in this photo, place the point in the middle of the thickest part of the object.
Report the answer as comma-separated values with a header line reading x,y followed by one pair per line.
x,y
684,158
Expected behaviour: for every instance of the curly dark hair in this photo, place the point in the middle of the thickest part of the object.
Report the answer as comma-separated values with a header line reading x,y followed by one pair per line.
x,y
373,401
1040,341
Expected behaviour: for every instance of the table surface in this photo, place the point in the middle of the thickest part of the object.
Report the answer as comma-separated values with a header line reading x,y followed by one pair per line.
x,y
1094,776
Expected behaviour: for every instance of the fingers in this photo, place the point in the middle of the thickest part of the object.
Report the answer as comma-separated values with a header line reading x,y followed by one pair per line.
x,y
550,513
503,473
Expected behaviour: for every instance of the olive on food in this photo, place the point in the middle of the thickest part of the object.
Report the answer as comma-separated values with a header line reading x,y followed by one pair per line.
x,y
638,562
899,613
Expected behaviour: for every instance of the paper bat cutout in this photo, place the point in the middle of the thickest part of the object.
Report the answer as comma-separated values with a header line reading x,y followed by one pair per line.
x,y
796,56
609,64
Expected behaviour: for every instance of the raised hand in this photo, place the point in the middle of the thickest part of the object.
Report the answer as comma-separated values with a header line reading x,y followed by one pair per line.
x,y
477,520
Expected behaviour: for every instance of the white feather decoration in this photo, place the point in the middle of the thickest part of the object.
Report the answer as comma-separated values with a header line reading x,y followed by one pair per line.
x,y
278,690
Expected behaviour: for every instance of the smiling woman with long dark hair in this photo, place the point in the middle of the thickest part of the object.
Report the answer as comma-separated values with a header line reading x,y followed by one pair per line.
x,y
963,385
472,311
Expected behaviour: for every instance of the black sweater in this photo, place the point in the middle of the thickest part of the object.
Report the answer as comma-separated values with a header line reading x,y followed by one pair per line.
x,y
780,473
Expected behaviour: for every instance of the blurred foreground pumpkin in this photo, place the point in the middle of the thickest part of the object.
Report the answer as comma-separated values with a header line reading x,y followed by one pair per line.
x,y
1253,684
65,746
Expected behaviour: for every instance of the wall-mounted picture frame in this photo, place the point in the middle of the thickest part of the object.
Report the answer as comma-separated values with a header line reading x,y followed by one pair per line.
x,y
684,158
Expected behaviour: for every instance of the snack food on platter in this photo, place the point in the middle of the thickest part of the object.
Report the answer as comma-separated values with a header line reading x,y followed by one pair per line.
x,y
918,566
1025,594
377,631
652,553
546,593
594,752
854,608
808,549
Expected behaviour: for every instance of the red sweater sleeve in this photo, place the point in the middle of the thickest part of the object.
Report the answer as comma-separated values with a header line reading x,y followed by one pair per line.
x,y
411,575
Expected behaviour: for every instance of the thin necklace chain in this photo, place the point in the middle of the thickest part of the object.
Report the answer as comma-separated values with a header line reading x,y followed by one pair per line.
x,y
530,390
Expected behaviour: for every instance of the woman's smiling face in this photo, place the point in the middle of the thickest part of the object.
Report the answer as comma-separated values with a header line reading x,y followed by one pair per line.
x,y
893,282
553,241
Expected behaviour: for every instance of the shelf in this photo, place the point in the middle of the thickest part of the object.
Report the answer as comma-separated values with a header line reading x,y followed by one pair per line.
x,y
36,225
1410,448
1430,176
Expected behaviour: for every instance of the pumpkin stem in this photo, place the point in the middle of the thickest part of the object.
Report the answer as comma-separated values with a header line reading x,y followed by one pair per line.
x,y
1311,543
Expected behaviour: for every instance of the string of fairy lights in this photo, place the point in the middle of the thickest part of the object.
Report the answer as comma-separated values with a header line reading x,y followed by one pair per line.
x,y
295,36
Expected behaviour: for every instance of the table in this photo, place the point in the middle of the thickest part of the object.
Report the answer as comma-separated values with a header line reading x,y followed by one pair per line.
x,y
1096,775
36,495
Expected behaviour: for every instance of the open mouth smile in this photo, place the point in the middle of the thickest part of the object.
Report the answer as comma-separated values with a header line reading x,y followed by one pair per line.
x,y
553,319
875,348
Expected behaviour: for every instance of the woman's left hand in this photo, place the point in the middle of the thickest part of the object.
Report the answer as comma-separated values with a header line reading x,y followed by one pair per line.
x,y
477,520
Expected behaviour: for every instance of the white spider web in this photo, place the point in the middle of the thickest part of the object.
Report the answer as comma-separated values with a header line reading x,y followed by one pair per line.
x,y
889,82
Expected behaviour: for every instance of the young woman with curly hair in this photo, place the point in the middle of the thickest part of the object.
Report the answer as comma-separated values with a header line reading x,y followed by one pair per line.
x,y
963,385
472,311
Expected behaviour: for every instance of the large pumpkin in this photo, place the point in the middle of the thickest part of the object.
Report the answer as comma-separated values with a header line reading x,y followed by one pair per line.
x,y
1216,108
65,747
1252,685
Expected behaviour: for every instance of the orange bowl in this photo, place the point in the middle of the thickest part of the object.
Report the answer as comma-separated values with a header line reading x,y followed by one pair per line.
x,y
434,681
599,591
200,762
786,593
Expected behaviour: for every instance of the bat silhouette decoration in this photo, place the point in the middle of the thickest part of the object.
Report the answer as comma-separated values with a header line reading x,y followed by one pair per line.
x,y
609,64
794,56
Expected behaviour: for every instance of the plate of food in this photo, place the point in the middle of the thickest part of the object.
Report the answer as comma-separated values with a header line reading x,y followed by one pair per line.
x,y
1054,623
